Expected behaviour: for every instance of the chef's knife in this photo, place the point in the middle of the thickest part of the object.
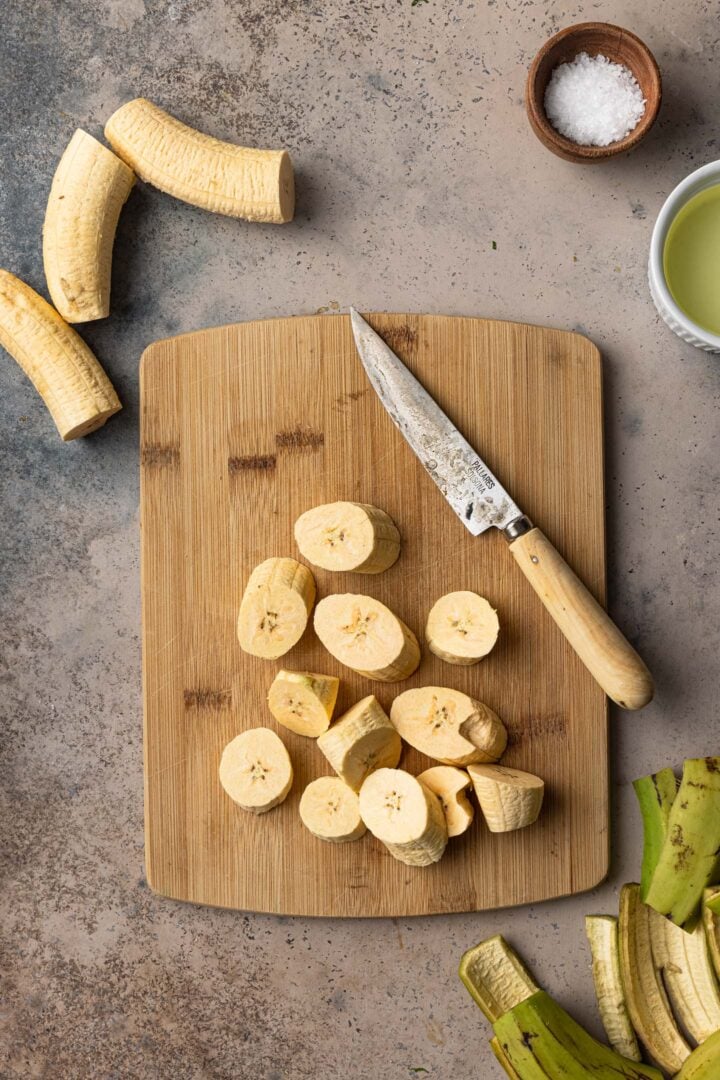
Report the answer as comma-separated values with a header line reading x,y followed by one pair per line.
x,y
480,501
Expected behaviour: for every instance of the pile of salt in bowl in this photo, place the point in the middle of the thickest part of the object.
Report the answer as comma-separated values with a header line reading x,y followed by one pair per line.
x,y
593,101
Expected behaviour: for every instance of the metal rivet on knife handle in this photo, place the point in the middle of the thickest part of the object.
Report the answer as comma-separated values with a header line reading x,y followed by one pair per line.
x,y
606,653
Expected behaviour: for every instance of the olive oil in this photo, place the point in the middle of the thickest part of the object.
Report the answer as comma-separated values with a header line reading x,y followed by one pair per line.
x,y
691,259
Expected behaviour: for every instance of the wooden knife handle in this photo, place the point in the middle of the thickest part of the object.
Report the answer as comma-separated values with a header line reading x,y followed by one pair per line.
x,y
606,653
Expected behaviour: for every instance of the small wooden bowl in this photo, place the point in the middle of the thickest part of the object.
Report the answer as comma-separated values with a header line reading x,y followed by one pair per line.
x,y
618,45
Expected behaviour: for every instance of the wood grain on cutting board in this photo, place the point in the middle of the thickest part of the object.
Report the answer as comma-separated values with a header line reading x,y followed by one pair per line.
x,y
242,429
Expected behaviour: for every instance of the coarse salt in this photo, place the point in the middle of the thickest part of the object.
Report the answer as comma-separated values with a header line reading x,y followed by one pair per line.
x,y
593,101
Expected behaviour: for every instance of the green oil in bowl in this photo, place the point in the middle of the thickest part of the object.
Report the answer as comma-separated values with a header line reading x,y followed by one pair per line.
x,y
691,259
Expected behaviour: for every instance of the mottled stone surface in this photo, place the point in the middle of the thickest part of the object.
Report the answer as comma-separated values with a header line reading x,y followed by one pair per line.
x,y
420,188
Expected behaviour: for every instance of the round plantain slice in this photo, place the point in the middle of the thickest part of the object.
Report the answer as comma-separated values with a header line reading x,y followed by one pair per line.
x,y
366,636
331,810
256,771
348,536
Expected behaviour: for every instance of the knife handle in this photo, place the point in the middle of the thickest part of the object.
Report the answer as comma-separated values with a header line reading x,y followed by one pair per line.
x,y
606,653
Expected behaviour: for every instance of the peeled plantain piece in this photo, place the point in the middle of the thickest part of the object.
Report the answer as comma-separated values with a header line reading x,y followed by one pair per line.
x,y
331,810
461,628
302,701
405,815
448,725
362,740
366,636
88,192
63,370
509,798
256,771
451,784
275,608
348,536
219,176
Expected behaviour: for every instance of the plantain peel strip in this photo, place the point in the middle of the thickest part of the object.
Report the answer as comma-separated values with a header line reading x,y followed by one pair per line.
x,y
711,926
704,1062
688,860
655,795
496,977
602,934
541,1040
684,962
645,994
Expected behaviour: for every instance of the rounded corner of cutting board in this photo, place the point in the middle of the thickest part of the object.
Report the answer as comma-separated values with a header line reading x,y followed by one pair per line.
x,y
588,352
153,885
155,349
593,353
156,884
593,880
150,355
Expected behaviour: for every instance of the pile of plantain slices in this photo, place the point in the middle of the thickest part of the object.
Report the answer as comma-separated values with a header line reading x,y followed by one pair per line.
x,y
413,816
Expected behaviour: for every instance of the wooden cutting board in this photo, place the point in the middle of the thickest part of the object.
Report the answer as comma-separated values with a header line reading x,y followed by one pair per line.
x,y
243,428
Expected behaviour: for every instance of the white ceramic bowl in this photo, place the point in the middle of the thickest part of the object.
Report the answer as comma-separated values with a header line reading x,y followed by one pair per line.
x,y
705,177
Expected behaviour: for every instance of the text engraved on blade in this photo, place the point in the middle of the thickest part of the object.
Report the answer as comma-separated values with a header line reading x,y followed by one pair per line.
x,y
483,481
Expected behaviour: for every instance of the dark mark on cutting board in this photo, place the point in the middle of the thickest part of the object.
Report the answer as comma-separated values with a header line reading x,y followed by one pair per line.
x,y
400,336
207,699
160,455
300,439
344,401
538,726
257,462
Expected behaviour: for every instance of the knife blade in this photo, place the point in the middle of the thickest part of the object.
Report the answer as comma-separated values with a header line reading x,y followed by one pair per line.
x,y
481,502
469,485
